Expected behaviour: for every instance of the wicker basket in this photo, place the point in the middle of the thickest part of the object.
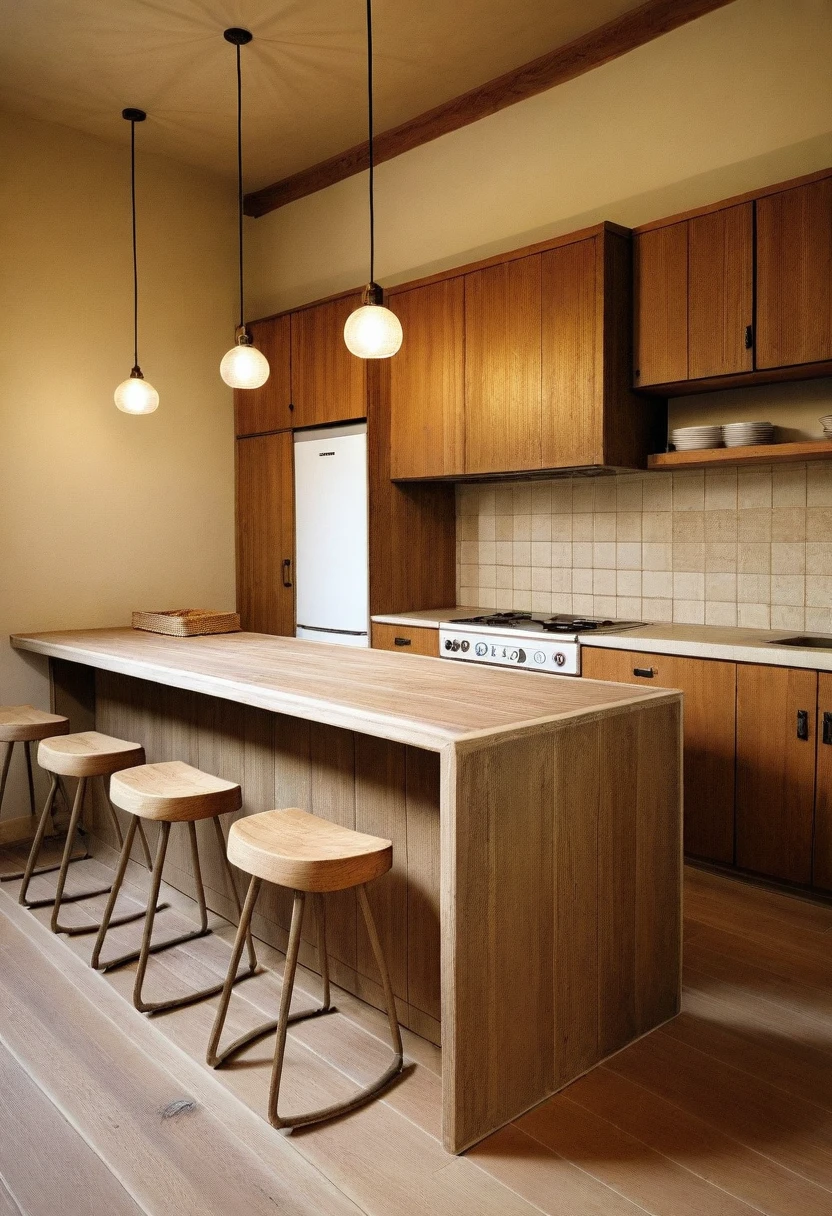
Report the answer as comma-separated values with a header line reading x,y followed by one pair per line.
x,y
187,622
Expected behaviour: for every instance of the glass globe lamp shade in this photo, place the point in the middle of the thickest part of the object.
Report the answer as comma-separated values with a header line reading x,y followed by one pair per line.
x,y
244,366
373,332
136,396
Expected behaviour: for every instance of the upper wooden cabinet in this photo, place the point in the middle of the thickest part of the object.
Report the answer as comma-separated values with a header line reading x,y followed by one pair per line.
x,y
739,293
502,367
328,383
794,276
427,381
268,408
266,533
521,364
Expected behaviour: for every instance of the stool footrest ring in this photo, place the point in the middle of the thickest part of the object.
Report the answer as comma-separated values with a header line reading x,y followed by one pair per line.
x,y
260,1032
127,919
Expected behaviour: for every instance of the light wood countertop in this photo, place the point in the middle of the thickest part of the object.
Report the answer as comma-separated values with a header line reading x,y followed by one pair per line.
x,y
427,703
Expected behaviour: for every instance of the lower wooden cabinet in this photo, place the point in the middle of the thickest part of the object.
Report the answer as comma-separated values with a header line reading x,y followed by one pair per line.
x,y
709,731
266,533
776,711
822,860
422,640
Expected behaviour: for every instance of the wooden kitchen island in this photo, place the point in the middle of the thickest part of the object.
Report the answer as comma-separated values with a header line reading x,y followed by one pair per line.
x,y
532,917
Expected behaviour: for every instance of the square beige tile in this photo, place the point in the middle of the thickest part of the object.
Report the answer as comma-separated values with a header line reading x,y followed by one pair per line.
x,y
720,556
788,523
785,617
689,557
606,495
754,525
469,575
562,601
504,599
788,557
819,620
503,552
818,591
541,527
582,604
469,552
754,588
688,526
603,526
468,527
560,526
628,556
583,494
603,582
581,555
503,577
628,525
542,552
541,498
657,526
688,586
657,584
656,557
754,616
689,612
561,580
628,583
541,578
522,527
521,497
561,496
562,553
487,527
487,552
788,589
503,527
521,601
720,489
487,597
819,523
722,587
754,557
819,557
469,595
603,605
689,491
657,492
488,576
754,488
467,500
486,499
719,613
819,484
581,581
503,500
583,526
630,494
721,526
628,608
604,556
657,611
788,485
542,601
521,553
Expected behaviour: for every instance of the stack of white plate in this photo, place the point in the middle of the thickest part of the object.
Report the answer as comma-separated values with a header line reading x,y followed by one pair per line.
x,y
826,423
747,434
692,438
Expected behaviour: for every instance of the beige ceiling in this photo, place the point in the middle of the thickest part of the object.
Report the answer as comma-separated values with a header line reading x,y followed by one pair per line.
x,y
79,62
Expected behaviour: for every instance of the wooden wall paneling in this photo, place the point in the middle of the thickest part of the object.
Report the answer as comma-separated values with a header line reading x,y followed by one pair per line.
x,y
503,367
577,777
266,533
721,292
289,772
709,687
571,367
72,693
406,641
794,275
427,381
332,759
381,810
775,771
658,977
412,525
423,881
661,309
221,729
822,851
618,832
268,408
328,383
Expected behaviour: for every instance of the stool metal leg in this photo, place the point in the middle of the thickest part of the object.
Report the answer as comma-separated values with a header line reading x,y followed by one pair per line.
x,y
215,1058
27,748
117,826
7,759
60,898
235,894
375,1087
33,869
107,921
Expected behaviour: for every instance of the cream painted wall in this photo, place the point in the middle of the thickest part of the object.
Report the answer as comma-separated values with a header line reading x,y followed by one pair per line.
x,y
735,100
101,512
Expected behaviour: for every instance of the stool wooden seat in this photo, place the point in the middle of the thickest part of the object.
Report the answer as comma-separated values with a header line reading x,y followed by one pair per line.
x,y
310,855
25,724
170,792
86,756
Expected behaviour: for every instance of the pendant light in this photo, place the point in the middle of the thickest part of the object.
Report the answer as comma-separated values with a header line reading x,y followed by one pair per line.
x,y
243,366
134,395
372,331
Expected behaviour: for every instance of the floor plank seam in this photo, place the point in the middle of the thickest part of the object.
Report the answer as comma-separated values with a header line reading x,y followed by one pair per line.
x,y
703,993
4,1183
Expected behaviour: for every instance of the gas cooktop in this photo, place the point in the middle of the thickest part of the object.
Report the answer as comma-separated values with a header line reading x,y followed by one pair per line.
x,y
540,622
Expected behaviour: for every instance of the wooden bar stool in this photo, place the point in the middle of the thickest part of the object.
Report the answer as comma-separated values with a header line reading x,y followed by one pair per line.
x,y
294,849
27,725
87,756
172,792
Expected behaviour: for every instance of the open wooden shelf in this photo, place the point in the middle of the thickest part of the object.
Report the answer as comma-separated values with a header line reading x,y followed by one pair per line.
x,y
767,453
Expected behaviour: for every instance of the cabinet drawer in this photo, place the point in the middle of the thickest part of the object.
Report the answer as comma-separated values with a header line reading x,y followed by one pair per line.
x,y
406,640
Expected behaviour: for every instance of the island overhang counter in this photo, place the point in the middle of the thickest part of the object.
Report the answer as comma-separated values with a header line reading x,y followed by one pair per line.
x,y
533,912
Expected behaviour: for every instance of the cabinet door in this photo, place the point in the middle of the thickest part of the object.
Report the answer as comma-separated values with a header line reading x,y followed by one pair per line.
x,y
572,427
502,367
427,382
721,292
709,716
266,533
822,865
794,276
423,641
267,408
776,770
661,312
328,383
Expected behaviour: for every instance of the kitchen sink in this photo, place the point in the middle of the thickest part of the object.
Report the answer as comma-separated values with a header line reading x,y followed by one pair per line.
x,y
817,641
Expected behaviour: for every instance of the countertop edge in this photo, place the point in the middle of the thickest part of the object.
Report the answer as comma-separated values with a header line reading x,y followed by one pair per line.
x,y
765,653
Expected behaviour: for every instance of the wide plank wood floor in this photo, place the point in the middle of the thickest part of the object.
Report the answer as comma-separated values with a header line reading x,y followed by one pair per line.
x,y
726,1111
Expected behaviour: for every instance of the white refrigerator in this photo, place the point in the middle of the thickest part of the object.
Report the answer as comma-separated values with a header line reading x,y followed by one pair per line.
x,y
331,537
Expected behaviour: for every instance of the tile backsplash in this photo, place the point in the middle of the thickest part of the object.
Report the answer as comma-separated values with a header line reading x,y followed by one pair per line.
x,y
738,546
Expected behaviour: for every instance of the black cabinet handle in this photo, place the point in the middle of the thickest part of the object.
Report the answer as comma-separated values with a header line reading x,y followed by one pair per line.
x,y
287,572
401,641
647,672
749,337
826,735
803,724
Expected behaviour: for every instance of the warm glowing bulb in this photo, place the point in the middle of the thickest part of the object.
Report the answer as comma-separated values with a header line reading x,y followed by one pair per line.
x,y
373,332
244,366
136,396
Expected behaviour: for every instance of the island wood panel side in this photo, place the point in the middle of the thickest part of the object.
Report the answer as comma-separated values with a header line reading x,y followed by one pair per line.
x,y
561,905
360,781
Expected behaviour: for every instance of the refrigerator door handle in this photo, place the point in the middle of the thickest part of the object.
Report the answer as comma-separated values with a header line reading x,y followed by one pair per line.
x,y
287,572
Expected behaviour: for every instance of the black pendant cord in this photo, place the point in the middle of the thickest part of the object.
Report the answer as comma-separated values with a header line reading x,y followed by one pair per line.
x,y
370,138
240,178
135,253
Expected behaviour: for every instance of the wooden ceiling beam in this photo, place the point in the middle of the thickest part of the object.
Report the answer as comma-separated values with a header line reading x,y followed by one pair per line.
x,y
632,29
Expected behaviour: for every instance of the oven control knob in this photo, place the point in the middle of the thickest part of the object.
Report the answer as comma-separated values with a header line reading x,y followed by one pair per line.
x,y
454,645
521,656
560,658
465,646
481,649
539,656
449,645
